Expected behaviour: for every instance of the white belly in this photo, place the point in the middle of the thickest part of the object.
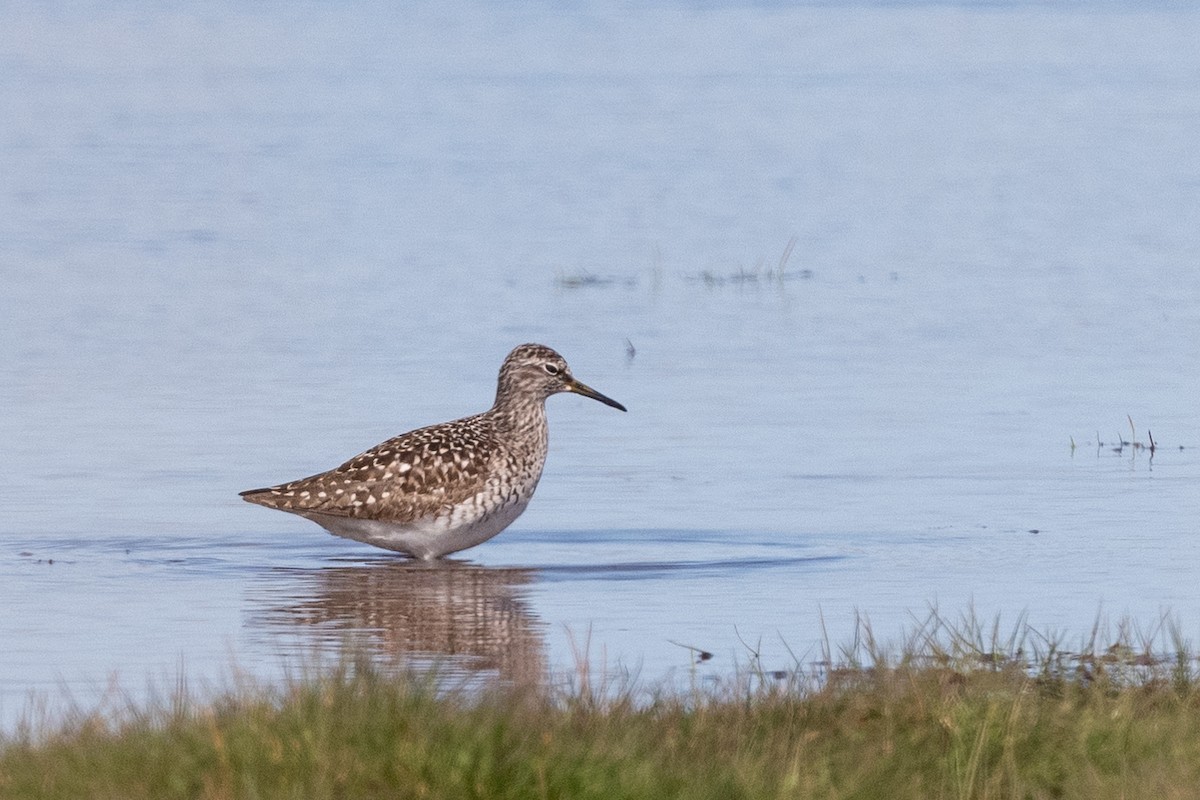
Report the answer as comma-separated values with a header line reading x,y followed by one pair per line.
x,y
469,524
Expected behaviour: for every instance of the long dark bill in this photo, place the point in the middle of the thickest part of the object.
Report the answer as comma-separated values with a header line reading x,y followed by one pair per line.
x,y
587,391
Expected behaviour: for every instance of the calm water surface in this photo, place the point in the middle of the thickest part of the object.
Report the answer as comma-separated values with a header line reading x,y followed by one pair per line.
x,y
879,266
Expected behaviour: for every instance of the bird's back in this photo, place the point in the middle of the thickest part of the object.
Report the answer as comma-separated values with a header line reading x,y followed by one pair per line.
x,y
403,479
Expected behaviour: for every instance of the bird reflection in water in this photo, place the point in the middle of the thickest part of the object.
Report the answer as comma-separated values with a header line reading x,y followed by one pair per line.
x,y
458,617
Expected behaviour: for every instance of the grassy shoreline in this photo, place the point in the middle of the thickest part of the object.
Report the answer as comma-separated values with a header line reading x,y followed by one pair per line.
x,y
954,711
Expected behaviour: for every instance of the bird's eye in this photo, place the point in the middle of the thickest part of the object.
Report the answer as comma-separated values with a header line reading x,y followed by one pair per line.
x,y
552,369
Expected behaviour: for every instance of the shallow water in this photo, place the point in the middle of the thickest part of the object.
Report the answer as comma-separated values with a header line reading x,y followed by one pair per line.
x,y
241,245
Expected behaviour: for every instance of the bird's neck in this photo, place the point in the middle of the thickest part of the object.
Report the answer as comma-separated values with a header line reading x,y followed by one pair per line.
x,y
520,415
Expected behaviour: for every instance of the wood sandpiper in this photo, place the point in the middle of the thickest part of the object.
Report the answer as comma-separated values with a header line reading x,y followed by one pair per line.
x,y
441,489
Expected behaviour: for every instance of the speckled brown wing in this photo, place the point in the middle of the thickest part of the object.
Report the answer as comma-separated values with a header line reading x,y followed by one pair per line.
x,y
403,479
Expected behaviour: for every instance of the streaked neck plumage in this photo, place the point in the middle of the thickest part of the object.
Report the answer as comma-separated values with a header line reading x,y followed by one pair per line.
x,y
519,412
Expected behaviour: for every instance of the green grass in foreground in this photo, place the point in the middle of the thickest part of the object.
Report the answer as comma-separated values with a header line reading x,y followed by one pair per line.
x,y
952,713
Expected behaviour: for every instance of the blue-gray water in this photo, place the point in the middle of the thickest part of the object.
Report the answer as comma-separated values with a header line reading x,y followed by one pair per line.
x,y
880,265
